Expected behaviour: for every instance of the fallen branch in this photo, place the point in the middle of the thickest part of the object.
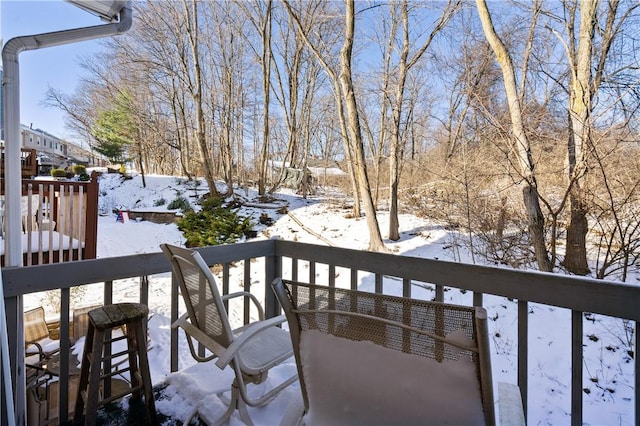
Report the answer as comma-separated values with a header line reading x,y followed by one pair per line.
x,y
263,206
310,231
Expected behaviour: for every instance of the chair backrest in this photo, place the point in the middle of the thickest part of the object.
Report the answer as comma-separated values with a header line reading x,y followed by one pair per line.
x,y
366,358
29,211
200,293
81,321
35,325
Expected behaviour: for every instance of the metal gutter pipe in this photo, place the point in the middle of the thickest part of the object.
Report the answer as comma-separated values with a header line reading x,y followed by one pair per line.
x,y
13,187
11,93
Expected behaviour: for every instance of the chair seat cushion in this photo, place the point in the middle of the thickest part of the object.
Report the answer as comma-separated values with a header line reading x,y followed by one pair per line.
x,y
359,382
264,350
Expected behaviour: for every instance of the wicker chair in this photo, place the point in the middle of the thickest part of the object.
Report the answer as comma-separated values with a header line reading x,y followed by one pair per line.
x,y
366,358
251,350
39,347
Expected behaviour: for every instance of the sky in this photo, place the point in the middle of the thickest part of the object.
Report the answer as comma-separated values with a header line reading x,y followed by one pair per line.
x,y
608,373
56,67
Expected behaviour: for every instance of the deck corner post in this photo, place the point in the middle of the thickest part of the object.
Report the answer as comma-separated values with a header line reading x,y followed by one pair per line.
x,y
273,270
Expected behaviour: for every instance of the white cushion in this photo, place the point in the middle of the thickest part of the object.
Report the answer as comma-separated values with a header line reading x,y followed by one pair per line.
x,y
350,382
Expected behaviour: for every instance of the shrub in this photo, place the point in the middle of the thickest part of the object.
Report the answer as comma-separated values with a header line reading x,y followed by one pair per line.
x,y
84,177
160,202
180,203
58,173
79,169
213,225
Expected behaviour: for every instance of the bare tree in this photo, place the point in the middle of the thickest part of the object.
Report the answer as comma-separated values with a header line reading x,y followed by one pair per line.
x,y
405,64
159,45
191,28
522,147
260,14
585,81
345,95
614,210
295,84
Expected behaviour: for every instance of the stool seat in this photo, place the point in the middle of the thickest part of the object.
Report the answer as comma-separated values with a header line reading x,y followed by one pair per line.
x,y
113,316
97,357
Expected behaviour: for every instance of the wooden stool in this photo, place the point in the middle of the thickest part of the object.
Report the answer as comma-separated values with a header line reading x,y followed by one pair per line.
x,y
97,351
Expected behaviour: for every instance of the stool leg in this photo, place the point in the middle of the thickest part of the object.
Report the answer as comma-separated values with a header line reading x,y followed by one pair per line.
x,y
93,392
141,344
133,348
105,364
84,377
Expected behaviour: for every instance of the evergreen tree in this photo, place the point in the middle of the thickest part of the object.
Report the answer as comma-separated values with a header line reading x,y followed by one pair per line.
x,y
115,129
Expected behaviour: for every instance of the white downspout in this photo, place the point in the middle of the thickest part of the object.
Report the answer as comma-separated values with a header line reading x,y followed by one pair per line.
x,y
13,186
11,93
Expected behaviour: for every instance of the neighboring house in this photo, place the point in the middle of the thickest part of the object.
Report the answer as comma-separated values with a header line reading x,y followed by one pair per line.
x,y
86,157
43,142
55,152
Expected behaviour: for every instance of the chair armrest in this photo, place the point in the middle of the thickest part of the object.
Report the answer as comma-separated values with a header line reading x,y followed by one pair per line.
x,y
42,354
252,329
200,336
38,347
253,298
510,407
178,323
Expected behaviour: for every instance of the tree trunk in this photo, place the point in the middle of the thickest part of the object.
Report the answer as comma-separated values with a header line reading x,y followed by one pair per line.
x,y
576,256
580,94
341,98
192,30
348,151
266,79
355,133
398,140
394,159
141,166
523,150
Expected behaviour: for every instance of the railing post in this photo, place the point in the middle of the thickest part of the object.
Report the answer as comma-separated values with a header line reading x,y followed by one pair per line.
x,y
636,360
378,287
247,287
144,299
523,353
15,330
63,386
174,317
273,269
477,299
91,230
6,374
576,367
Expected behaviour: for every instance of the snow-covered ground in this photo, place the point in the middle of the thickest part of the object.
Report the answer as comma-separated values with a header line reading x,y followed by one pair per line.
x,y
608,364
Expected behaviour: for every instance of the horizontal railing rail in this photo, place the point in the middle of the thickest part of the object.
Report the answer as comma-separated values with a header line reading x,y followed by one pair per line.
x,y
302,262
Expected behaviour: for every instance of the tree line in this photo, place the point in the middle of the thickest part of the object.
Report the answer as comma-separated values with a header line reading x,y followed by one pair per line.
x,y
516,122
